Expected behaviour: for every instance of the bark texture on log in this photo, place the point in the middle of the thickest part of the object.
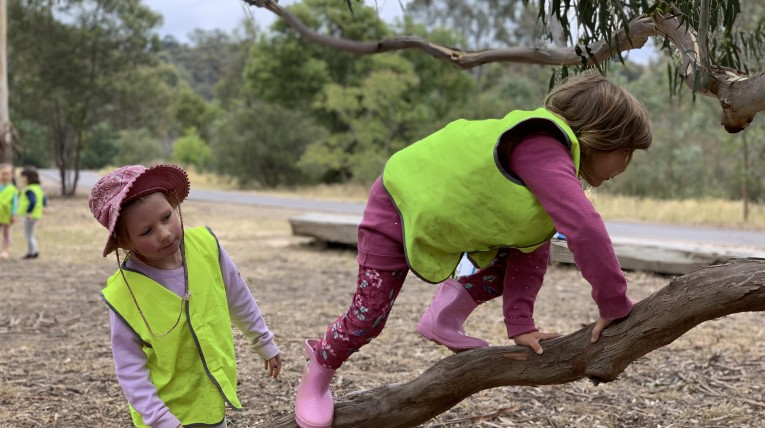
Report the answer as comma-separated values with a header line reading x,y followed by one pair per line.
x,y
687,301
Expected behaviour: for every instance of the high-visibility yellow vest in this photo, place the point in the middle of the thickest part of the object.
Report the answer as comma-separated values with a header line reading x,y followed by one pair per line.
x,y
24,202
455,196
193,367
7,196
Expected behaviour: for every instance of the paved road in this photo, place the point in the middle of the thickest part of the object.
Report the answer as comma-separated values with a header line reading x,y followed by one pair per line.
x,y
682,236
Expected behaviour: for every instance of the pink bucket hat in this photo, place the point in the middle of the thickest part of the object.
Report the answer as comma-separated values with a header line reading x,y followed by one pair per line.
x,y
130,182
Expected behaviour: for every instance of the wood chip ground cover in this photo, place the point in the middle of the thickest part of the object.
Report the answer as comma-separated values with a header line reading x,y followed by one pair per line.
x,y
56,366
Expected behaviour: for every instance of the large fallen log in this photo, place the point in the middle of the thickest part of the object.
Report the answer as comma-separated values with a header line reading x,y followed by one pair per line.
x,y
656,321
656,256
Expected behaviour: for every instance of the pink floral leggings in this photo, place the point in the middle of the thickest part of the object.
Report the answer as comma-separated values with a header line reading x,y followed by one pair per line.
x,y
375,293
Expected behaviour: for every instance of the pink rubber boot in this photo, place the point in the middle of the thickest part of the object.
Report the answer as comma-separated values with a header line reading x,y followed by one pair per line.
x,y
314,407
442,322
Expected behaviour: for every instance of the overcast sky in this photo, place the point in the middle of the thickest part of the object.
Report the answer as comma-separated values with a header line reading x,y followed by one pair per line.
x,y
183,16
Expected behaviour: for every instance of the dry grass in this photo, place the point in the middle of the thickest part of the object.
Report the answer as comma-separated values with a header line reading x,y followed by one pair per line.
x,y
698,212
345,192
56,368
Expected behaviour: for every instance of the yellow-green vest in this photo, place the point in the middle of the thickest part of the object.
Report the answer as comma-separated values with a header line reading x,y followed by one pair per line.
x,y
7,195
455,196
193,367
37,211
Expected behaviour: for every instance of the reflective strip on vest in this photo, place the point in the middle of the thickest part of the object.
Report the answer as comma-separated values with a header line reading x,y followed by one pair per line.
x,y
193,367
455,197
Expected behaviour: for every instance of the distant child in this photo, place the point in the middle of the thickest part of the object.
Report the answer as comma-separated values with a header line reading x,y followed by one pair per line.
x,y
172,301
496,190
9,205
31,204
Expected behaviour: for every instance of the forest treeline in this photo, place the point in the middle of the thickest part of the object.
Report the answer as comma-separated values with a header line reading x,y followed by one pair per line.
x,y
92,84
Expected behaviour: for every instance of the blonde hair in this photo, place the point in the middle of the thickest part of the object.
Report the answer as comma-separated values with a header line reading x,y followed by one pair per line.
x,y
603,115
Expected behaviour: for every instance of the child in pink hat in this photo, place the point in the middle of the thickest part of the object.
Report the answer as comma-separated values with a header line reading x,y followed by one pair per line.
x,y
171,301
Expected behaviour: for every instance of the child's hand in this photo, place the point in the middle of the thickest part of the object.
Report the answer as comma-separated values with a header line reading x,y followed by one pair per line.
x,y
273,366
533,338
600,324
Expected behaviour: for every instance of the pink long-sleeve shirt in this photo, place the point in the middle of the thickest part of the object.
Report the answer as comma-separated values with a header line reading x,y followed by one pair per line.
x,y
130,361
545,166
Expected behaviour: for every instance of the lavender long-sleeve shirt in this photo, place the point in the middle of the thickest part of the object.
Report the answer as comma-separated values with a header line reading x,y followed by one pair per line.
x,y
130,361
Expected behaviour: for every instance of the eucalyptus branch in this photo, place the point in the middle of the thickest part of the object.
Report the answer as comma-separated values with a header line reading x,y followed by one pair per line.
x,y
640,30
658,320
741,96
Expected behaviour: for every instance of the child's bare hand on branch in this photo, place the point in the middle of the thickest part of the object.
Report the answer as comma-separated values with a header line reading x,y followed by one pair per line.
x,y
600,325
533,338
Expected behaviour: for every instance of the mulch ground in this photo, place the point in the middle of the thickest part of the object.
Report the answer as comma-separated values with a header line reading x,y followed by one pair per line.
x,y
56,365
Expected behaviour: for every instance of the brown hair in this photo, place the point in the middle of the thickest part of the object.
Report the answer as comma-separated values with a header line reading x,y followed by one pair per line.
x,y
603,115
31,175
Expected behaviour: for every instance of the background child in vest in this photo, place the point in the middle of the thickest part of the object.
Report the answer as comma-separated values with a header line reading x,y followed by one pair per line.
x,y
538,154
140,208
31,203
9,205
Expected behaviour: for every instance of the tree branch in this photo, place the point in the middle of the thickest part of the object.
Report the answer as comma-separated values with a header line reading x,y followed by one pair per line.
x,y
640,30
703,295
741,96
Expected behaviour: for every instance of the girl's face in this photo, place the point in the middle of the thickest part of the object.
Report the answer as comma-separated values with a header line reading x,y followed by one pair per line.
x,y
5,176
152,230
607,165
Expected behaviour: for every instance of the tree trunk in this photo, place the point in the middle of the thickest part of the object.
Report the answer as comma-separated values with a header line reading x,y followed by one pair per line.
x,y
6,148
745,177
687,301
